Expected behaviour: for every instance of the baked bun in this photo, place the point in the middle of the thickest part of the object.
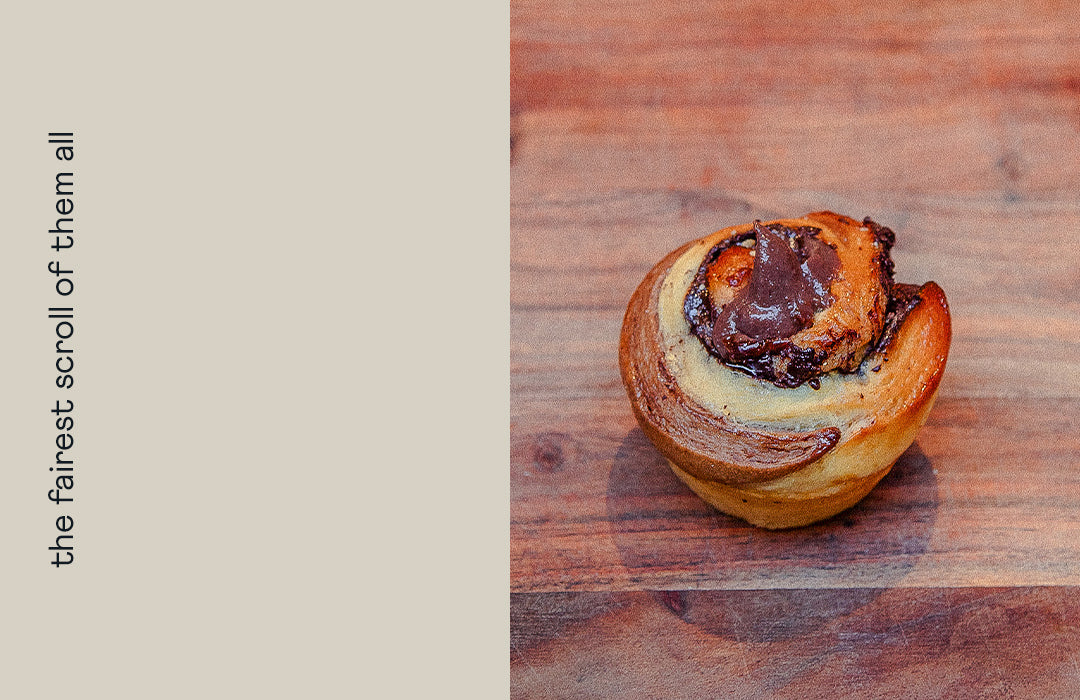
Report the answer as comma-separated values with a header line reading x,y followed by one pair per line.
x,y
779,368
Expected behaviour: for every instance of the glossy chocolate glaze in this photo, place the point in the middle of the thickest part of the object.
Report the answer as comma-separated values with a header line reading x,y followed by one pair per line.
x,y
789,283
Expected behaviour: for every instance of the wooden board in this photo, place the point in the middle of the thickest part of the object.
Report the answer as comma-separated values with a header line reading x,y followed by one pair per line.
x,y
638,126
825,643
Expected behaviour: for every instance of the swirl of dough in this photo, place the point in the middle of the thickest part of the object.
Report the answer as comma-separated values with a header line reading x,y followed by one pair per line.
x,y
810,429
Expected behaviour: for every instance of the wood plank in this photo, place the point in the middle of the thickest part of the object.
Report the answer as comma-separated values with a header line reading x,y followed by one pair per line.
x,y
964,147
924,643
590,251
988,495
629,53
998,351
847,98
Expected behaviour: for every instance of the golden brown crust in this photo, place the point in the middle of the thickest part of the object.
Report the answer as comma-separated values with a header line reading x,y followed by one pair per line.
x,y
777,457
777,511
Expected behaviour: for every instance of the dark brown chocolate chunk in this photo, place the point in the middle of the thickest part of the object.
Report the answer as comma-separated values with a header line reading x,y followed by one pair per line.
x,y
788,284
904,298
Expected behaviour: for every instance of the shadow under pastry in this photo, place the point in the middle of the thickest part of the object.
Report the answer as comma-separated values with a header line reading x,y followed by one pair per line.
x,y
717,572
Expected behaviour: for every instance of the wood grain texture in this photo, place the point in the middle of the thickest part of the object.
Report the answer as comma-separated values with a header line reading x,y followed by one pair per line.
x,y
847,643
636,127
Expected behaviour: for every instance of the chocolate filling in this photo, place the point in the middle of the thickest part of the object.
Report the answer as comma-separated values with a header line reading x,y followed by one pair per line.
x,y
904,298
789,283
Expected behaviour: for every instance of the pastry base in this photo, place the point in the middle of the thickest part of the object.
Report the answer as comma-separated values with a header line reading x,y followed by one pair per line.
x,y
842,478
778,511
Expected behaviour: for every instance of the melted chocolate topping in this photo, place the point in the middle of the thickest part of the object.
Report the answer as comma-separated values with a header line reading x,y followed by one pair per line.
x,y
789,283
